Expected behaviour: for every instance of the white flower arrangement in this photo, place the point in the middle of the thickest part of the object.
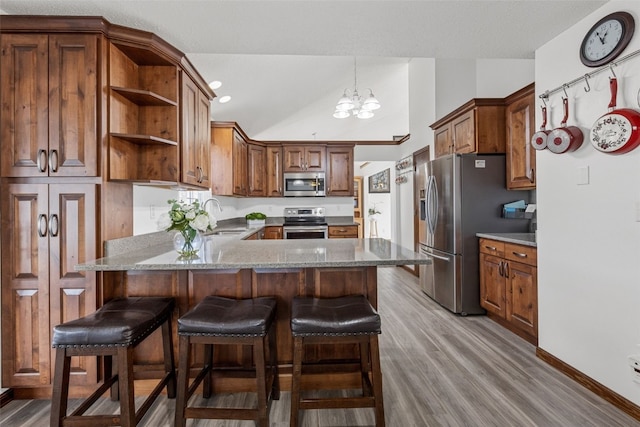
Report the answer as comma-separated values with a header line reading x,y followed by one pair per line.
x,y
186,218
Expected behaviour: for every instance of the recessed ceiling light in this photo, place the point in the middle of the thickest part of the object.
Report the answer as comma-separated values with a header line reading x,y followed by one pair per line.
x,y
215,84
224,99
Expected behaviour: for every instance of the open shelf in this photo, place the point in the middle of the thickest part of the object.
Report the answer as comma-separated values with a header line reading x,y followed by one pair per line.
x,y
144,139
143,97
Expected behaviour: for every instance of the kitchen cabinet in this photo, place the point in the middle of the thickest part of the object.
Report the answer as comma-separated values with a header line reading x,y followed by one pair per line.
x,y
339,170
143,121
229,153
195,132
87,108
46,230
476,127
274,176
272,232
49,98
256,170
343,231
305,158
509,286
520,127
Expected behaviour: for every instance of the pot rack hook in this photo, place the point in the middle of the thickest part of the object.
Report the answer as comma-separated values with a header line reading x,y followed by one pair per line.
x,y
544,97
586,82
611,68
564,89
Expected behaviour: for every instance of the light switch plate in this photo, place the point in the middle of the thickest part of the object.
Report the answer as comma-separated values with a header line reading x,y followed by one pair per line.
x,y
583,175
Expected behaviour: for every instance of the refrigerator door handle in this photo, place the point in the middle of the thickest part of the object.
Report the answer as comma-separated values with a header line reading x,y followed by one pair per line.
x,y
432,204
443,258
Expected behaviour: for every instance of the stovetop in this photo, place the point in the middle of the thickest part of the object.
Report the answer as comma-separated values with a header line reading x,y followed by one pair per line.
x,y
304,216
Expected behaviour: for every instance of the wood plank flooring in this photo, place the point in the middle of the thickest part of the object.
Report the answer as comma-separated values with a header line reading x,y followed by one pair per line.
x,y
439,369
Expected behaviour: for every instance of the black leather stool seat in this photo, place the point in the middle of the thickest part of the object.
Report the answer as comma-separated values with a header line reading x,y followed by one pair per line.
x,y
219,316
120,322
350,315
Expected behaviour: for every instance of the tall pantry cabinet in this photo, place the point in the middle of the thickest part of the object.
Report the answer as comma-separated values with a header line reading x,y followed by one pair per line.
x,y
87,109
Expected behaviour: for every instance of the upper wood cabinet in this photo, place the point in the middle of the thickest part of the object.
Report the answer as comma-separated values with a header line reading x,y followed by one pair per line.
x,y
274,176
256,170
305,158
196,135
228,159
49,97
520,127
339,171
476,127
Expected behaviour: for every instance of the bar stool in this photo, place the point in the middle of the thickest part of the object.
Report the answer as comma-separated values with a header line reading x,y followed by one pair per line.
x,y
217,320
115,329
349,319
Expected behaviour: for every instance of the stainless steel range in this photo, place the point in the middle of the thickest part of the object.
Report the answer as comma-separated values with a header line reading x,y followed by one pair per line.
x,y
305,223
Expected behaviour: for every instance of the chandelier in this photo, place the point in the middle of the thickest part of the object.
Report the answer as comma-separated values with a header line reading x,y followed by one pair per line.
x,y
351,103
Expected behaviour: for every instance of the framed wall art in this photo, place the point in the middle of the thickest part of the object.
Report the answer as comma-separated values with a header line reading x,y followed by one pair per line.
x,y
379,182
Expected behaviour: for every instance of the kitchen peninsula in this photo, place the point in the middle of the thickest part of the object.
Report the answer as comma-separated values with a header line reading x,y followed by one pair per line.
x,y
234,268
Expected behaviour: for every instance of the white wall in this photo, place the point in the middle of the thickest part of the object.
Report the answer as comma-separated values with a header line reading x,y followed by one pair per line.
x,y
589,235
384,202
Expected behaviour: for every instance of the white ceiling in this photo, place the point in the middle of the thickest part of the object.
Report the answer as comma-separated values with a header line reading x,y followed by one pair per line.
x,y
276,58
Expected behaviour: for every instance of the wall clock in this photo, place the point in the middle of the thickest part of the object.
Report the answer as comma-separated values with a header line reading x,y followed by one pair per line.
x,y
607,39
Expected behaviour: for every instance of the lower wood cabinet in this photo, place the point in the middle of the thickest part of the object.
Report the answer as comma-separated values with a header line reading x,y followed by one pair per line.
x,y
509,286
272,232
343,231
46,230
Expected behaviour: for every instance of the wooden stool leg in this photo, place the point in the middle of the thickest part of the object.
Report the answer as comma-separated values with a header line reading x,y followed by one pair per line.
x,y
261,380
125,385
376,374
365,368
183,381
208,365
110,370
273,355
295,380
60,394
169,363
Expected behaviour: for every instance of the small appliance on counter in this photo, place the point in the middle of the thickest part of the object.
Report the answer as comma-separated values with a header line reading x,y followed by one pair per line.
x,y
460,195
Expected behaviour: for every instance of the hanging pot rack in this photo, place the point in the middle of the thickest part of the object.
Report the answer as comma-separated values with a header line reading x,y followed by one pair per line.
x,y
585,79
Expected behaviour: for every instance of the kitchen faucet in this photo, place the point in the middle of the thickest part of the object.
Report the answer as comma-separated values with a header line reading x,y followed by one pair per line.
x,y
213,199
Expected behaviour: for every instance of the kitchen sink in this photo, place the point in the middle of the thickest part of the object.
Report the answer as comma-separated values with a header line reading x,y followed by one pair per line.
x,y
226,232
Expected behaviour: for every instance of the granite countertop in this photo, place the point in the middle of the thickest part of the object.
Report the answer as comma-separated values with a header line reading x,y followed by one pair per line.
x,y
526,239
229,251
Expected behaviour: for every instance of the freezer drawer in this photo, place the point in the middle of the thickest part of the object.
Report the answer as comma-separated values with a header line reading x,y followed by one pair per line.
x,y
440,278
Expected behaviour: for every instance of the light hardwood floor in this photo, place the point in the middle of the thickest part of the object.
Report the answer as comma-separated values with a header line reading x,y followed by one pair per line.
x,y
439,369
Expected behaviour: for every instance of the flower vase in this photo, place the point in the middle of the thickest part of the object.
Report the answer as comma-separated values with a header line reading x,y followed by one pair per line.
x,y
187,243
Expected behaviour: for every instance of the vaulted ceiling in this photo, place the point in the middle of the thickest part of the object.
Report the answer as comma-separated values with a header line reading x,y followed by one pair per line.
x,y
277,58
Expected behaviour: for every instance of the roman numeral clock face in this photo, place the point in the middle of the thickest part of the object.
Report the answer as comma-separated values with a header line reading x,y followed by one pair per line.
x,y
607,39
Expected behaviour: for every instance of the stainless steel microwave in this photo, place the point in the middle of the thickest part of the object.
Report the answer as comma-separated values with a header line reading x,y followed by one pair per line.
x,y
304,184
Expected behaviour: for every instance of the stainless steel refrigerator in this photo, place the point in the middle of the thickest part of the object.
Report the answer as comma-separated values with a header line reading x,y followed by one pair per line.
x,y
458,196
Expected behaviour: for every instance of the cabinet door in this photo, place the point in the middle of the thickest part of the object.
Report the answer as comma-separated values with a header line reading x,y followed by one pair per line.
x,y
340,171
464,133
72,240
73,105
315,158
256,158
195,141
26,349
272,233
492,284
24,99
239,165
443,141
522,307
521,156
274,172
294,159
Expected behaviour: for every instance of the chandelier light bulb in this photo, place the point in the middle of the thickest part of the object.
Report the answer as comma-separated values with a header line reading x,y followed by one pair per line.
x,y
354,104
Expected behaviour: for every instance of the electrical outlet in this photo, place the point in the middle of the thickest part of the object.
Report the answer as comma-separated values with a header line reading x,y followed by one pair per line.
x,y
634,362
